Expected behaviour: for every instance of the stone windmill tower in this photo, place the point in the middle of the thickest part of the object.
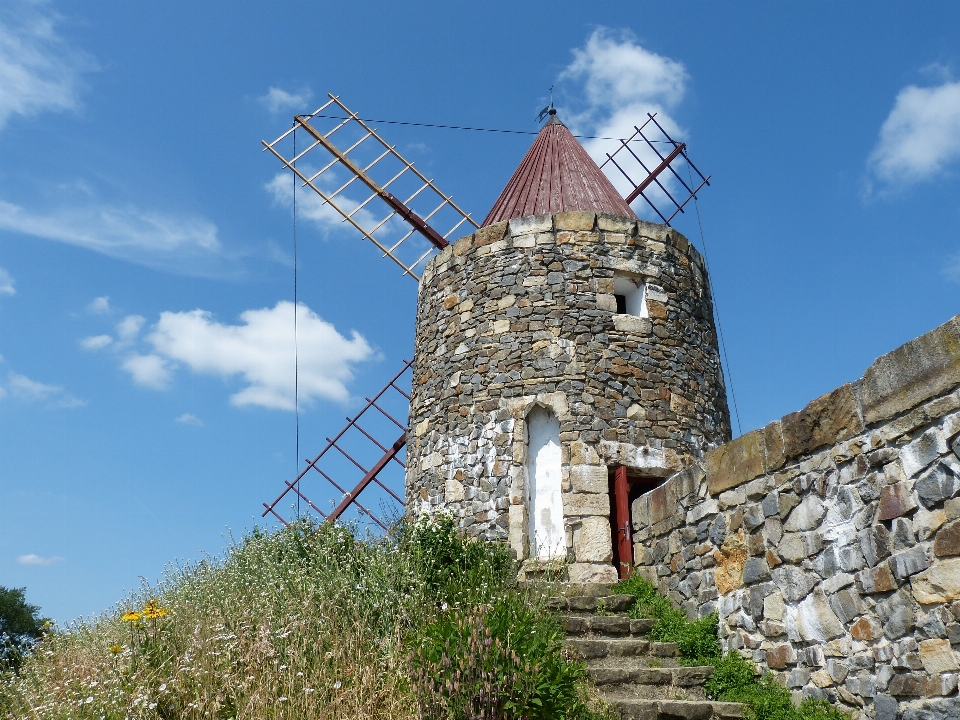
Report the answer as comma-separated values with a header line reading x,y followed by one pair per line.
x,y
566,362
566,356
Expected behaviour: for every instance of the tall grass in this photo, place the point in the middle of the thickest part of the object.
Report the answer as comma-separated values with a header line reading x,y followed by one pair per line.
x,y
308,622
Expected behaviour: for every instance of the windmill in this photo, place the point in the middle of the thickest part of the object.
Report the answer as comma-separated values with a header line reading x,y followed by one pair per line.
x,y
409,219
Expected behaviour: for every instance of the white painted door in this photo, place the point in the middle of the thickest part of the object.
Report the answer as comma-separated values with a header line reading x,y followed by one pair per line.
x,y
547,538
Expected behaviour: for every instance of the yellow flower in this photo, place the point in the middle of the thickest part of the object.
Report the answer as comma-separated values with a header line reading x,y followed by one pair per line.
x,y
152,610
131,616
114,649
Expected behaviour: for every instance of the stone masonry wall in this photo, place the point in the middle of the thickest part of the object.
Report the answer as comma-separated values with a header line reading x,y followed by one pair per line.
x,y
829,541
523,313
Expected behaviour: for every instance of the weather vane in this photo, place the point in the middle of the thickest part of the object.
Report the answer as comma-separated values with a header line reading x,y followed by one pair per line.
x,y
549,110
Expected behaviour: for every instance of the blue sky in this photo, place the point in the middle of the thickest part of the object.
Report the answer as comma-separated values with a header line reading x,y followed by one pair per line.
x,y
146,243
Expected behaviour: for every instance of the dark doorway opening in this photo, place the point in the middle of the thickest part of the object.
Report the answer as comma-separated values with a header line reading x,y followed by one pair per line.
x,y
625,486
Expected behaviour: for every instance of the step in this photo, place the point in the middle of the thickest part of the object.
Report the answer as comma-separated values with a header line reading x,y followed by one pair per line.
x,y
588,648
632,708
605,625
641,671
591,603
592,646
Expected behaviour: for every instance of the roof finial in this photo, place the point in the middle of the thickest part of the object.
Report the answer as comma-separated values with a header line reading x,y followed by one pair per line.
x,y
549,110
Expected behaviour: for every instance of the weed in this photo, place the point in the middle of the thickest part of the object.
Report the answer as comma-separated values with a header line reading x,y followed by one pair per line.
x,y
601,607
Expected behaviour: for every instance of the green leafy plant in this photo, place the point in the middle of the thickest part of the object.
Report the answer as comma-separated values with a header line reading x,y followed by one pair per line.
x,y
696,640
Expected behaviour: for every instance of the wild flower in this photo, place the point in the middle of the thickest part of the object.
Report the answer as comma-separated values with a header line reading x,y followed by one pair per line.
x,y
115,649
131,616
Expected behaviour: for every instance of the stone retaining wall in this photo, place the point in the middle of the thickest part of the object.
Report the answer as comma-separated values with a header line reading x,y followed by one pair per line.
x,y
829,541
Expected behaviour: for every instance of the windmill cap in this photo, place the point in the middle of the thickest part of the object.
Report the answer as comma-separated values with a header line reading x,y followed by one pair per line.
x,y
557,175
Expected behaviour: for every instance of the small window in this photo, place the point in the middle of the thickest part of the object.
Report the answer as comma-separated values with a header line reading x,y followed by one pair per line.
x,y
631,295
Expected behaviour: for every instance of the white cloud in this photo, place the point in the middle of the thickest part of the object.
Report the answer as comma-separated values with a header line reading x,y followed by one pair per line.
x,y
129,327
152,371
261,351
96,342
311,206
920,137
99,306
618,83
32,559
23,388
39,71
188,419
6,283
182,244
277,100
952,269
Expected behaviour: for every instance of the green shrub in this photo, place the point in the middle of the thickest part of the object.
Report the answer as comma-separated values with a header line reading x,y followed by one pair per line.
x,y
502,660
735,680
696,640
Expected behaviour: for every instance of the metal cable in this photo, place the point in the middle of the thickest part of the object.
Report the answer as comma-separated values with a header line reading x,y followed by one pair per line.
x,y
296,345
461,127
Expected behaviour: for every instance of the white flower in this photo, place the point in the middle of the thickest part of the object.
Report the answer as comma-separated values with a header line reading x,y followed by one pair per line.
x,y
162,687
336,686
88,700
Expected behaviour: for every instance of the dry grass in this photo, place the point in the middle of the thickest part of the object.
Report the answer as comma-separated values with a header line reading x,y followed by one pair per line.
x,y
299,624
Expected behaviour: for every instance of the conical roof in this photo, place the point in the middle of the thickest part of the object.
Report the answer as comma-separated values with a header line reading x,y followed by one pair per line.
x,y
557,175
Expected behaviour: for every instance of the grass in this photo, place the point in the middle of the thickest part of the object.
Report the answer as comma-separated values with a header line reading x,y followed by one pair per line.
x,y
735,679
313,622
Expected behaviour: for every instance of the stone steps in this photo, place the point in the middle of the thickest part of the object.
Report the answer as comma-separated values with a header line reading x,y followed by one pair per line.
x,y
631,708
639,679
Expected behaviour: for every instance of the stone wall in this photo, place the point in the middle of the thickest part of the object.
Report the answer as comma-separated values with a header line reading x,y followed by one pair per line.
x,y
829,540
523,313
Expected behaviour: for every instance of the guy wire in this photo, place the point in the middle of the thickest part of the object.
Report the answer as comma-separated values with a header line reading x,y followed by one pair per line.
x,y
716,307
296,346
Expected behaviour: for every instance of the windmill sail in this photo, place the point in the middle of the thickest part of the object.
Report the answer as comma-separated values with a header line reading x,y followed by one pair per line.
x,y
631,165
398,209
362,458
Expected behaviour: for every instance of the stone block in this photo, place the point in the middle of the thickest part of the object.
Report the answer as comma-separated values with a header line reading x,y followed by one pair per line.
x,y
885,708
866,629
906,685
663,502
922,368
938,657
825,421
794,583
898,614
632,324
773,606
909,562
846,604
947,541
937,484
939,583
491,233
735,463
592,541
592,573
876,544
876,580
895,500
589,479
917,455
616,223
579,220
529,224
797,546
773,450
807,515
813,620
755,570
780,656
585,504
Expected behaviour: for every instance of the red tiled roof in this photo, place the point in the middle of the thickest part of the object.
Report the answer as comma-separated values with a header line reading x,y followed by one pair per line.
x,y
557,175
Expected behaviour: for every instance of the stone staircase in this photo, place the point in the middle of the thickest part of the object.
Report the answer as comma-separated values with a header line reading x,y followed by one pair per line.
x,y
640,679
